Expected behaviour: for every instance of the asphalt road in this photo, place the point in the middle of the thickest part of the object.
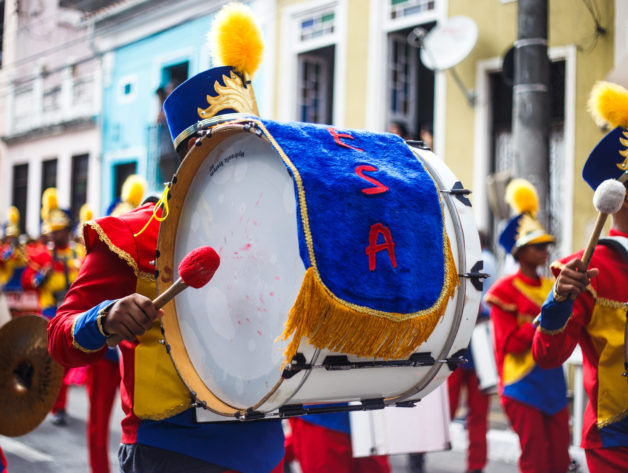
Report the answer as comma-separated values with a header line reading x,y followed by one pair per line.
x,y
50,449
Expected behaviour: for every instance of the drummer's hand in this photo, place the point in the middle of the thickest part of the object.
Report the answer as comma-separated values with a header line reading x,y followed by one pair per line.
x,y
131,316
573,279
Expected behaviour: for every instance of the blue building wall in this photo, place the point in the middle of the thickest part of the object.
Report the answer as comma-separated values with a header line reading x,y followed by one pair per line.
x,y
130,103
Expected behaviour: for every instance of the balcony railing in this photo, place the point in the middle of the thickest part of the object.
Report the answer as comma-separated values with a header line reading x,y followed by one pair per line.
x,y
38,104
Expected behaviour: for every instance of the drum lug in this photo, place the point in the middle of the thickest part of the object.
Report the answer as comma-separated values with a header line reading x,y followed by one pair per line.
x,y
476,276
252,415
460,193
406,404
457,359
373,404
292,410
297,364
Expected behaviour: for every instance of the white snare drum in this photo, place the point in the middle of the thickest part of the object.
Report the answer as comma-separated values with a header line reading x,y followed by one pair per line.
x,y
484,356
233,192
400,430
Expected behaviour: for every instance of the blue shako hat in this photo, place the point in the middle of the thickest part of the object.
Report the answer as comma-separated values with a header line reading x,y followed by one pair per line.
x,y
215,95
221,93
608,105
608,160
522,229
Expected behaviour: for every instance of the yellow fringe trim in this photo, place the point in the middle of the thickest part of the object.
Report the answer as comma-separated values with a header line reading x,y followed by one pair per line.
x,y
330,323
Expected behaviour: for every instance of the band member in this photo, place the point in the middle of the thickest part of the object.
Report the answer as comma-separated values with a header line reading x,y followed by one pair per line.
x,y
112,296
12,255
534,399
587,307
51,272
322,443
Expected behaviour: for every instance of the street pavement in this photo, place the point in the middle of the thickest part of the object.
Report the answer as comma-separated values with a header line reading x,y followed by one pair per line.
x,y
49,449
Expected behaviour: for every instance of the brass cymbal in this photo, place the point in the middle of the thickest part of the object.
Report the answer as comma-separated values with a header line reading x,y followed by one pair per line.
x,y
29,378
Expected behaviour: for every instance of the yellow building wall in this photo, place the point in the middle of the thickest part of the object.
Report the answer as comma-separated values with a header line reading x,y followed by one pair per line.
x,y
570,23
357,54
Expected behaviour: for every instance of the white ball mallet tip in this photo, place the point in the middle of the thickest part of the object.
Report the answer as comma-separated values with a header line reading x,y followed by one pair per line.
x,y
609,196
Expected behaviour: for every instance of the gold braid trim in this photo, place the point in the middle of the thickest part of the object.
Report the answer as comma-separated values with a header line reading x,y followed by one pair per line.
x,y
611,420
492,299
123,255
610,303
76,345
551,332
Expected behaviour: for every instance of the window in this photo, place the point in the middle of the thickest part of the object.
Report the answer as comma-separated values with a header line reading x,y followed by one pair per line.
x,y
318,25
48,174
316,76
120,173
402,8
79,185
20,189
172,76
127,89
410,85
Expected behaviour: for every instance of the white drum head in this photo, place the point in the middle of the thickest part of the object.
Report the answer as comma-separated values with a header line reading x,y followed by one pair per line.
x,y
241,202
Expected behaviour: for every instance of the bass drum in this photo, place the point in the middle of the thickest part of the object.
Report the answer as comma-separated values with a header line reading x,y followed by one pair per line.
x,y
240,191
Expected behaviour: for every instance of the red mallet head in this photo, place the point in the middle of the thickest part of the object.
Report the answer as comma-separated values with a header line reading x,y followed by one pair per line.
x,y
199,266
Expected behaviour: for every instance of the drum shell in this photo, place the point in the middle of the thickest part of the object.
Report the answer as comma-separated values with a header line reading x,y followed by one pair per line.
x,y
393,384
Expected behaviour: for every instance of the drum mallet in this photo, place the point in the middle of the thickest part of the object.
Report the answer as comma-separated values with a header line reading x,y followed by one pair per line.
x,y
607,199
195,270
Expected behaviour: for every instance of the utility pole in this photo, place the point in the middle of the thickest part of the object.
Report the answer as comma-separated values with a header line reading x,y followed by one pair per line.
x,y
531,100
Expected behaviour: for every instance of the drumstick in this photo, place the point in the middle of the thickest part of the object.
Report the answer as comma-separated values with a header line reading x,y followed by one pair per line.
x,y
607,199
195,270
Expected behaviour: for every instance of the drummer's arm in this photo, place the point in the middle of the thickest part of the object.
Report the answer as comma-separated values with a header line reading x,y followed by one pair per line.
x,y
560,325
75,337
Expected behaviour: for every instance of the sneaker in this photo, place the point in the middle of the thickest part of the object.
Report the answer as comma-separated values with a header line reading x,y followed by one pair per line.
x,y
60,418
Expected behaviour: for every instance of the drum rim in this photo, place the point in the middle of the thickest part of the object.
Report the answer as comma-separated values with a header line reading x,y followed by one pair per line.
x,y
202,394
460,291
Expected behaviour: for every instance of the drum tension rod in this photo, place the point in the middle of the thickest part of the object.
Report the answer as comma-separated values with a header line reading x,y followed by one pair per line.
x,y
341,362
457,359
476,276
299,410
460,193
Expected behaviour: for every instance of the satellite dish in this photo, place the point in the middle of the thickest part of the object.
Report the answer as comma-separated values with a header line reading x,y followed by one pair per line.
x,y
449,43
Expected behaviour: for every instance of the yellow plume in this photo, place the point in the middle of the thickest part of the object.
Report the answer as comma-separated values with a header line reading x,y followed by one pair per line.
x,y
86,213
13,215
608,104
521,196
133,190
49,201
236,39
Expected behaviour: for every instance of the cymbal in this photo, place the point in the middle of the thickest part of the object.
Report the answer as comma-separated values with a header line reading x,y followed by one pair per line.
x,y
30,379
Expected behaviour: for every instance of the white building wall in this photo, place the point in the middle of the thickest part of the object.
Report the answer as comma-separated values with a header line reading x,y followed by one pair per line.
x,y
61,147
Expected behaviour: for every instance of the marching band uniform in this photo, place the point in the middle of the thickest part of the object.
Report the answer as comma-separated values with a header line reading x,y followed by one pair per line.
x,y
12,255
534,399
322,443
159,432
595,320
50,273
